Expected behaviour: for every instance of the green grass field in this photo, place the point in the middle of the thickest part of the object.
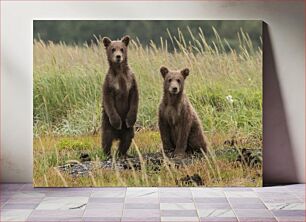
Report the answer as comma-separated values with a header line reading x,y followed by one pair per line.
x,y
224,86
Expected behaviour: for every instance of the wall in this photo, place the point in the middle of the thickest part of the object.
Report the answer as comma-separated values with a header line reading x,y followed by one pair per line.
x,y
284,95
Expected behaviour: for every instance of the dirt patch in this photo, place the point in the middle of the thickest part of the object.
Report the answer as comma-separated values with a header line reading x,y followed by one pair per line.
x,y
153,161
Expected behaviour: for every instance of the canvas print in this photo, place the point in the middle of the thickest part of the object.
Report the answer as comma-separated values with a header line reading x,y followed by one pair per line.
x,y
147,103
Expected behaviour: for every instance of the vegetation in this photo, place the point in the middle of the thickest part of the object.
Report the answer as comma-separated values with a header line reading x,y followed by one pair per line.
x,y
224,86
78,32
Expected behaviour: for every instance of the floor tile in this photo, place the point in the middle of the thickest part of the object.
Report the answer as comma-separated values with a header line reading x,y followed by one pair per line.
x,y
177,206
242,189
175,189
141,213
281,200
218,219
253,219
10,187
285,206
29,200
141,206
240,194
103,213
289,213
99,205
296,187
56,214
210,200
23,202
184,193
68,193
62,203
208,193
105,200
28,194
54,219
20,206
141,189
216,213
101,219
109,193
176,200
248,206
253,213
140,219
212,206
142,192
274,197
3,200
178,213
278,189
141,200
178,219
14,215
61,189
27,187
95,189
246,200
291,219
300,195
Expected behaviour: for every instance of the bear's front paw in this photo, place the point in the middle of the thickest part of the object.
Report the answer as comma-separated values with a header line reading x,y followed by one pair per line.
x,y
130,122
116,123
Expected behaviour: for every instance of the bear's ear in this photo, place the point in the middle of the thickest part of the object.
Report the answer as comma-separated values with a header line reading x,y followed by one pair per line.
x,y
106,41
185,72
126,39
164,70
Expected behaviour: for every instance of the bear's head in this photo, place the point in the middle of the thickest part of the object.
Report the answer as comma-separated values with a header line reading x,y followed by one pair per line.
x,y
116,50
174,80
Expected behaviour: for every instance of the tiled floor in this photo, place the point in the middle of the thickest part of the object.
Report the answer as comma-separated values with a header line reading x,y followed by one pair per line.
x,y
21,202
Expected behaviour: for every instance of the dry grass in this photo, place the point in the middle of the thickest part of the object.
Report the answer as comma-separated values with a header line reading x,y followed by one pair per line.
x,y
214,170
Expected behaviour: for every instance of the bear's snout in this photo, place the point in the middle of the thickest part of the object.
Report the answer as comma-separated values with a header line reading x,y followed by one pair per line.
x,y
174,88
117,57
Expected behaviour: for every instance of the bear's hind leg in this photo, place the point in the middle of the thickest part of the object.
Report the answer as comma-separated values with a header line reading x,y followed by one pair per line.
x,y
196,140
107,141
125,141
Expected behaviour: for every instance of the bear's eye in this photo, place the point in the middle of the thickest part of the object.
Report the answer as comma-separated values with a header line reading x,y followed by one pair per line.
x,y
121,49
113,49
169,80
178,80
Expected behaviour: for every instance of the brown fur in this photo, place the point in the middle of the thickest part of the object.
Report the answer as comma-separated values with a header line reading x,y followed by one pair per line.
x,y
120,98
179,125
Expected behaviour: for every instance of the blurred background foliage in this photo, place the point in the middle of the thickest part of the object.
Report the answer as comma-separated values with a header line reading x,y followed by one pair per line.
x,y
84,31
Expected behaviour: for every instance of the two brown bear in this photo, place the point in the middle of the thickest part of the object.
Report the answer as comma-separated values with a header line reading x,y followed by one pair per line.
x,y
179,125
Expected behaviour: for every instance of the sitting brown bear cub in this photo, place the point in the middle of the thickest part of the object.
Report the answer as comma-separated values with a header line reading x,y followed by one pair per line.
x,y
179,125
120,98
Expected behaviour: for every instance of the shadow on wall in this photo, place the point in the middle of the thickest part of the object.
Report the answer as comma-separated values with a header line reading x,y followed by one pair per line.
x,y
278,160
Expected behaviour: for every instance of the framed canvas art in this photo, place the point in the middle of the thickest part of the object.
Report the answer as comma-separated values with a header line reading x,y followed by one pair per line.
x,y
147,103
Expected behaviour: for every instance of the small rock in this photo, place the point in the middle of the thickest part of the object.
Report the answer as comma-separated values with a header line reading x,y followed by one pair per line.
x,y
250,157
85,157
194,179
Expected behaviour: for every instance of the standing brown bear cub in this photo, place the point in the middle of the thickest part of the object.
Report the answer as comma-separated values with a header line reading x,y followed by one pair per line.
x,y
179,125
120,98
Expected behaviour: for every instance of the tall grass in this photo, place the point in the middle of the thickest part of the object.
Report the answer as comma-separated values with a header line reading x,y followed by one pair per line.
x,y
214,170
68,80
